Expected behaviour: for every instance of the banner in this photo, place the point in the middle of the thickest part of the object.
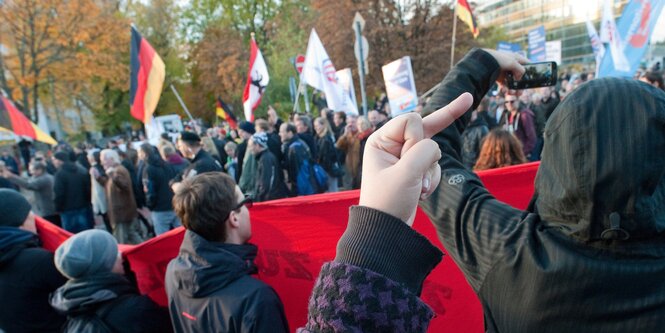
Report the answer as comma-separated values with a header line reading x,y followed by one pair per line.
x,y
633,33
508,47
400,86
319,72
553,51
257,80
345,79
537,51
297,235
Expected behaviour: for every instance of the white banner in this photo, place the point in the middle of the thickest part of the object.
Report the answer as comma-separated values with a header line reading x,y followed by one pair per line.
x,y
400,86
553,51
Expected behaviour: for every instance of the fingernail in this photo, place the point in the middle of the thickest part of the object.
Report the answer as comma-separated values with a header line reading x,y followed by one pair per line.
x,y
426,183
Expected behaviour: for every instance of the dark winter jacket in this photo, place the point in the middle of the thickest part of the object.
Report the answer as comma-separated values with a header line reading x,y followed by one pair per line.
x,y
472,139
588,255
269,184
210,290
72,188
156,178
296,155
308,138
327,152
374,282
201,163
27,277
124,309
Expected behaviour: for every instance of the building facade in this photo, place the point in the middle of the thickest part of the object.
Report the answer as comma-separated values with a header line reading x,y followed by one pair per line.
x,y
563,20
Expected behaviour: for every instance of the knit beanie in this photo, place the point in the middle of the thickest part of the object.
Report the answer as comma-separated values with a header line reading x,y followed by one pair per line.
x,y
247,127
87,253
14,208
260,139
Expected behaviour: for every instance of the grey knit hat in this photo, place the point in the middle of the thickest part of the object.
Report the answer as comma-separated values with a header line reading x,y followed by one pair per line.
x,y
14,208
87,253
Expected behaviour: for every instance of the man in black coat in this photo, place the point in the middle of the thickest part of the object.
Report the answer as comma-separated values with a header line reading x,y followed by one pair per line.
x,y
189,145
72,191
27,272
269,183
209,285
588,253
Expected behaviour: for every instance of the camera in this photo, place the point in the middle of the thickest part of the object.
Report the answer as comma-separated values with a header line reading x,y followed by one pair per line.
x,y
536,75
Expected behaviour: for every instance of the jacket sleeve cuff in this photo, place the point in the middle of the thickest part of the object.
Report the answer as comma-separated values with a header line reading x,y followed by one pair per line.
x,y
386,245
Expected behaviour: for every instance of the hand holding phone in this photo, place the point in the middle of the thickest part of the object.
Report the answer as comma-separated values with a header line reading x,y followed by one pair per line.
x,y
536,75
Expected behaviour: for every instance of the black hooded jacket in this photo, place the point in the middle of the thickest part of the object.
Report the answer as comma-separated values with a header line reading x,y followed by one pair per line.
x,y
269,183
27,277
156,177
72,188
125,310
210,290
589,254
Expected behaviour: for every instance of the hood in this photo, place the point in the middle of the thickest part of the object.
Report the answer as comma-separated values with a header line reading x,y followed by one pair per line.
x,y
12,241
602,175
81,295
202,267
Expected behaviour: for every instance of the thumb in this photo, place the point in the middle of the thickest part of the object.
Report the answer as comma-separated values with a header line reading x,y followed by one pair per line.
x,y
417,160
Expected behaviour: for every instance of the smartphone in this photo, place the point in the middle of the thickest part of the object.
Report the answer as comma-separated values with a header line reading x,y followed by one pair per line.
x,y
536,75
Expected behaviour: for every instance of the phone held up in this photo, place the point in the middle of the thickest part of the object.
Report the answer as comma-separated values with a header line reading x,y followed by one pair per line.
x,y
536,75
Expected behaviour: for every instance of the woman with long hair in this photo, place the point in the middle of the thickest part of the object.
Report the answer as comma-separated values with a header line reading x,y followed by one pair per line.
x,y
327,157
500,148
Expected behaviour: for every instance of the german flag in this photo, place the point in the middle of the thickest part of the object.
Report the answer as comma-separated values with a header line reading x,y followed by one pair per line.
x,y
13,120
146,78
224,112
466,15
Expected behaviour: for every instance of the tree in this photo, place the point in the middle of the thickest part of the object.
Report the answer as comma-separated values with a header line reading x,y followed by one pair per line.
x,y
420,29
47,39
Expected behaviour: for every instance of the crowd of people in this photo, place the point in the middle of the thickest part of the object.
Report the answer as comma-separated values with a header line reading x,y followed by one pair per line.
x,y
594,226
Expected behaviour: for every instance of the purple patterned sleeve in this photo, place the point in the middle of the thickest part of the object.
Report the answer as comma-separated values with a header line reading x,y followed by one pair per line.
x,y
353,299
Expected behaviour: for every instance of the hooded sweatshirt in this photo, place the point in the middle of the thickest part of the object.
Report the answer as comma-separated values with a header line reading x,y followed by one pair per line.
x,y
589,254
210,289
125,309
27,276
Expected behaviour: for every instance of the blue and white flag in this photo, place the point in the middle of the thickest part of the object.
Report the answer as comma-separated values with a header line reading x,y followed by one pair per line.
x,y
632,35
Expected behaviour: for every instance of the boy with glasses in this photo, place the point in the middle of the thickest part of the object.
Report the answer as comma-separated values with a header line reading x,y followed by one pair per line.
x,y
209,285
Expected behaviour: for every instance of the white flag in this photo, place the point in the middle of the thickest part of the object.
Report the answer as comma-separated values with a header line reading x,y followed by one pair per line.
x,y
596,45
616,48
319,72
257,81
608,19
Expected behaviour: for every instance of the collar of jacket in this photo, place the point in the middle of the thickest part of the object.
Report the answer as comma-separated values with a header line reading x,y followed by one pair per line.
x,y
203,267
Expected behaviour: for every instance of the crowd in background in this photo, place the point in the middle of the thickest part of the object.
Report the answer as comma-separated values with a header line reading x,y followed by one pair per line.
x,y
126,188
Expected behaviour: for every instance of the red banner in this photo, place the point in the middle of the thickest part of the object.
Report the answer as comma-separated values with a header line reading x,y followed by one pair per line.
x,y
297,235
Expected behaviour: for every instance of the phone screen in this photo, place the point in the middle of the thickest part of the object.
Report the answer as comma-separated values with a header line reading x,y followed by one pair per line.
x,y
541,74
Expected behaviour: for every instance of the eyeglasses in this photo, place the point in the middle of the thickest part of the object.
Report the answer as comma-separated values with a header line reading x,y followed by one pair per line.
x,y
508,102
247,202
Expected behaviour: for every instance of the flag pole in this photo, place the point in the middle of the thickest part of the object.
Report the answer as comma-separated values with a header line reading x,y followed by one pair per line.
x,y
452,49
295,104
184,107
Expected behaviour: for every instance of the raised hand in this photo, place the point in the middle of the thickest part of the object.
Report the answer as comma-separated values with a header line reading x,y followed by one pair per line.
x,y
400,163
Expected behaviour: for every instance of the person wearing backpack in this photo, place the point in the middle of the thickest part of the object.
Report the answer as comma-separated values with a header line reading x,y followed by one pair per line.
x,y
297,162
98,297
